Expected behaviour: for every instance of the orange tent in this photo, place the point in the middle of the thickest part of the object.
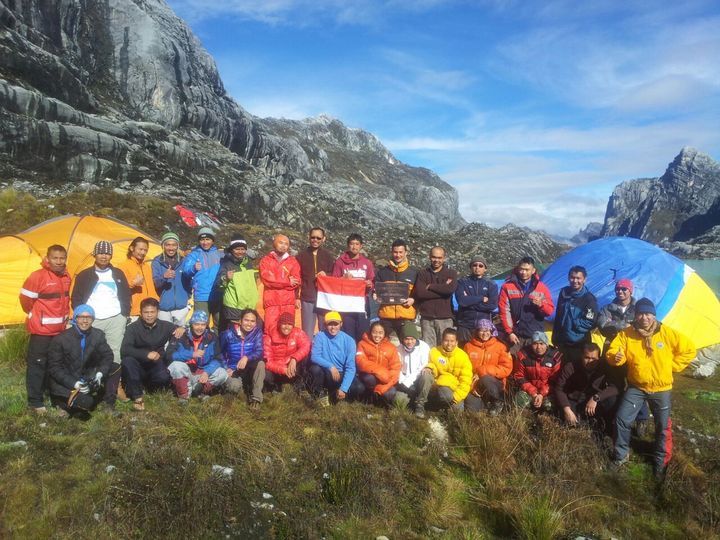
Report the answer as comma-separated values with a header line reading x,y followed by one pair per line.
x,y
21,254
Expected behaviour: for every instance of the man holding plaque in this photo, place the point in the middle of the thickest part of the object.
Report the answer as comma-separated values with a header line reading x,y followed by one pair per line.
x,y
393,290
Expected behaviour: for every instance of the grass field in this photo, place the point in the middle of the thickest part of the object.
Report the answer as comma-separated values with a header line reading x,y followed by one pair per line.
x,y
350,471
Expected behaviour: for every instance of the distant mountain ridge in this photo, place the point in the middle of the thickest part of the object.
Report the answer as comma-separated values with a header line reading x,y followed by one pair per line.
x,y
679,210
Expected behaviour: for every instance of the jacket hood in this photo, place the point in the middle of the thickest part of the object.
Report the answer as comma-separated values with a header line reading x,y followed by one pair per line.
x,y
46,265
483,344
399,267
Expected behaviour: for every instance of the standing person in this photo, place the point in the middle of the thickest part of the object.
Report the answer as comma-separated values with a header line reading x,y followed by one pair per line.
x,y
236,281
524,302
652,352
79,361
398,270
416,378
575,316
333,363
45,297
378,364
171,284
314,261
452,371
202,265
434,289
242,354
618,314
352,264
286,350
105,289
476,297
280,274
138,273
492,365
196,367
143,353
535,369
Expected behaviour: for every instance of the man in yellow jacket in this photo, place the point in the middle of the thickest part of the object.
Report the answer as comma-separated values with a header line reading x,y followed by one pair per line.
x,y
452,371
652,352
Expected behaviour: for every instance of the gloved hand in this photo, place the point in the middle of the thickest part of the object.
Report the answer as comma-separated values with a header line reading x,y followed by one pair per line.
x,y
98,378
82,387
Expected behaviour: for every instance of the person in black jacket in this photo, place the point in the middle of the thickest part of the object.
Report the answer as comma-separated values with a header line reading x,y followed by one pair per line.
x,y
79,360
433,292
587,389
143,352
105,289
477,299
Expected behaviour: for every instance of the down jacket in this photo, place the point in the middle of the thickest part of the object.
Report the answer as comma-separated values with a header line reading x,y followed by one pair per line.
x,y
234,346
203,280
275,274
518,314
278,349
490,357
45,297
181,350
381,360
535,375
453,370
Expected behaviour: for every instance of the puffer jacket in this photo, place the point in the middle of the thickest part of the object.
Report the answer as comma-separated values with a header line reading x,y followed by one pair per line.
x,y
275,274
403,273
132,268
536,375
45,297
234,346
278,349
181,350
671,352
203,280
453,370
518,314
490,357
174,293
240,291
381,360
612,318
68,362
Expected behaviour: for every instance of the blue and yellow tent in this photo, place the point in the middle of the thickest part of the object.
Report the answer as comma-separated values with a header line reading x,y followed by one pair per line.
x,y
682,299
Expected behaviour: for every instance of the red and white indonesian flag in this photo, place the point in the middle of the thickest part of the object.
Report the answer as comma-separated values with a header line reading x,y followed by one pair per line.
x,y
340,294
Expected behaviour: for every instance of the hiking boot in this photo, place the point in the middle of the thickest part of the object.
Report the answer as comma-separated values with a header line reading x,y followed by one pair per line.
x,y
420,411
138,405
323,401
641,428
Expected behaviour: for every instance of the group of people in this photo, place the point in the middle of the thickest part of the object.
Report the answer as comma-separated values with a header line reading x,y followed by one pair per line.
x,y
131,331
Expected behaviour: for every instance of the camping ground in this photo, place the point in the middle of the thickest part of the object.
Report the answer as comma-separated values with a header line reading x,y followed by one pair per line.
x,y
291,470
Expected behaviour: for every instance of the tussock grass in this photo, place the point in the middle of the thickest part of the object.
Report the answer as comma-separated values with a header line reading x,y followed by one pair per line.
x,y
13,346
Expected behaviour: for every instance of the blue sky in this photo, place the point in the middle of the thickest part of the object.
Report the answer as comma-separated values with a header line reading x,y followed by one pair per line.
x,y
533,110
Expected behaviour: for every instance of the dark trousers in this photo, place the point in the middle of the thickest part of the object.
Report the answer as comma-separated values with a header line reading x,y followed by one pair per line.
x,y
36,373
355,325
604,418
136,373
393,325
112,384
321,382
366,387
83,403
275,381
491,391
464,335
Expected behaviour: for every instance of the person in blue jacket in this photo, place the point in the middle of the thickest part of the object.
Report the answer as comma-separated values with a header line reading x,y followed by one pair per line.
x,y
172,285
196,365
575,317
477,299
333,363
242,353
202,265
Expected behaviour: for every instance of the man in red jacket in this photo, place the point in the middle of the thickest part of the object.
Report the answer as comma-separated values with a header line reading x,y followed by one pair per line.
x,y
45,297
535,370
286,348
280,274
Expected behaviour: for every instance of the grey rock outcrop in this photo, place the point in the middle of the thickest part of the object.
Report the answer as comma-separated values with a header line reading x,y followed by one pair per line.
x,y
120,93
678,210
591,232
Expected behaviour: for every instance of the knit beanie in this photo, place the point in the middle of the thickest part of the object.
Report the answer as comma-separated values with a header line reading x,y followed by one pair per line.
x,y
286,318
409,330
169,236
103,247
645,305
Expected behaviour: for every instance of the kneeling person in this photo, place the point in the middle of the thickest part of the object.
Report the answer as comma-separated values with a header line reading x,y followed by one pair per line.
x,y
535,369
242,353
79,360
286,348
416,378
196,366
378,363
143,352
452,371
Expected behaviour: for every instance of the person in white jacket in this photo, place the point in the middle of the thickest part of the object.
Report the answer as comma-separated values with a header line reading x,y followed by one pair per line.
x,y
415,377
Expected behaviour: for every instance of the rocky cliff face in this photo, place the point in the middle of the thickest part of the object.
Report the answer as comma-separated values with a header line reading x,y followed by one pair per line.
x,y
120,93
677,210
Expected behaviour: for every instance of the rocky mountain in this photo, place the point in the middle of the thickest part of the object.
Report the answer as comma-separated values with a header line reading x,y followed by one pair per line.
x,y
120,93
591,232
679,210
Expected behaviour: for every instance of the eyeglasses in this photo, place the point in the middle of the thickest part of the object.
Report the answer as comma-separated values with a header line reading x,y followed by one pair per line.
x,y
316,238
478,265
622,289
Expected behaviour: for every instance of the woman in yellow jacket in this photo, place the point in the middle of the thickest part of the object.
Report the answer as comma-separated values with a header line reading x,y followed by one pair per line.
x,y
652,352
452,370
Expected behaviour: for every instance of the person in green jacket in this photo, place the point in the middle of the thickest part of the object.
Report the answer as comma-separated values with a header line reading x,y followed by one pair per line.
x,y
237,281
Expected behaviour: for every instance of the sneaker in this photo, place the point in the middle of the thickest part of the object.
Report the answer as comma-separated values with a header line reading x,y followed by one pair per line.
x,y
323,401
138,405
39,411
420,411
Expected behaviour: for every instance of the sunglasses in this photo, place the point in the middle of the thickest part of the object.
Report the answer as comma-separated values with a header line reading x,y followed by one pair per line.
x,y
478,265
